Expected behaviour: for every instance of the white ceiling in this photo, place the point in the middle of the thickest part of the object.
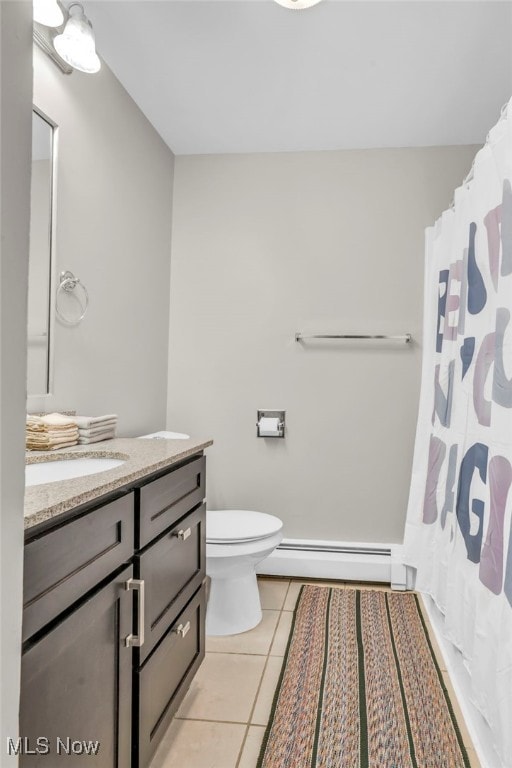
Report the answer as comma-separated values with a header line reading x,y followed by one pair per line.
x,y
250,76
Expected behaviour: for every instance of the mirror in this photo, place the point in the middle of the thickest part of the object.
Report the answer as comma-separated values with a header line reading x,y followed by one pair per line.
x,y
40,257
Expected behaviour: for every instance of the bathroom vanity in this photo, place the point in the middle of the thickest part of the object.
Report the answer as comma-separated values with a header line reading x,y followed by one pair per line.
x,y
114,605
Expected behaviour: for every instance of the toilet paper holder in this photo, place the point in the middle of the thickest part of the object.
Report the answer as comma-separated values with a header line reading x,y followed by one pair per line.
x,y
270,423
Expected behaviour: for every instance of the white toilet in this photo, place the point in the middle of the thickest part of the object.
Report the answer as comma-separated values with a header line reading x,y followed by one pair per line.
x,y
236,541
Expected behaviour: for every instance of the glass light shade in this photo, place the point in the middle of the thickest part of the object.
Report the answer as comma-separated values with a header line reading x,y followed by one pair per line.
x,y
76,44
297,5
48,13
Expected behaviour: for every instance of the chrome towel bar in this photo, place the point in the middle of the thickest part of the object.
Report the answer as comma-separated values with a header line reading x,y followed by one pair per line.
x,y
407,337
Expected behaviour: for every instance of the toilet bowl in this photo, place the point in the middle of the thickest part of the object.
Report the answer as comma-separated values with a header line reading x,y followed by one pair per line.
x,y
236,541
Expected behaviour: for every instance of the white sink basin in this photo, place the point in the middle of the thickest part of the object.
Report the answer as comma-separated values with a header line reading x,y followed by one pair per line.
x,y
66,469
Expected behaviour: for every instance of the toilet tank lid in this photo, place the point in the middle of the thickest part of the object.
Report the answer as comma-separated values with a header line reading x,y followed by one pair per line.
x,y
229,525
166,435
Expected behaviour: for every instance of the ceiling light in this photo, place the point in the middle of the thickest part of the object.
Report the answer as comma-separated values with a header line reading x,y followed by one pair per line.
x,y
48,13
76,44
297,5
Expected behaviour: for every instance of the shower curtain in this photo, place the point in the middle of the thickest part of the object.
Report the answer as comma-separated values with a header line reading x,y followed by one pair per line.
x,y
458,530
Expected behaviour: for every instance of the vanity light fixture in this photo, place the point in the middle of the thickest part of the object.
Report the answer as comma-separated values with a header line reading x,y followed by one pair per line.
x,y
297,5
48,13
76,44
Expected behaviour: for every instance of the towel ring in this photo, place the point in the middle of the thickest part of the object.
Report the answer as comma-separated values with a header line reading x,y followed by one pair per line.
x,y
68,282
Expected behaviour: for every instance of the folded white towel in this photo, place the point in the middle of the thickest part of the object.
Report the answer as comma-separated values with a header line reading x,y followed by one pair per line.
x,y
62,445
107,426
96,438
87,422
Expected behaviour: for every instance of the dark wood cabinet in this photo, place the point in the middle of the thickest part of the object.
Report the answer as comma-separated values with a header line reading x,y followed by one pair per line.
x,y
61,566
86,694
161,683
166,499
77,687
173,569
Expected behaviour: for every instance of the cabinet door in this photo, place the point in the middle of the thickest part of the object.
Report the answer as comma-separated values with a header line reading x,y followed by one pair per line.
x,y
76,686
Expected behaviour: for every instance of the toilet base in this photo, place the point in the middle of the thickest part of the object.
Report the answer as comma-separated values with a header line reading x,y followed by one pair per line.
x,y
233,606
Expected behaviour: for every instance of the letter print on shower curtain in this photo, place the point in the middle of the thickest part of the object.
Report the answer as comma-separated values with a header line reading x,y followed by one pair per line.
x,y
458,531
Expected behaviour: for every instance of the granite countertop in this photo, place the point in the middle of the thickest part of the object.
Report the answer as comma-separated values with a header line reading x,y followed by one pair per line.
x,y
141,458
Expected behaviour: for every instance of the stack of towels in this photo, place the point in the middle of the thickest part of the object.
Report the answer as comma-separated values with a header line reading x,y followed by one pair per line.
x,y
55,430
50,432
93,429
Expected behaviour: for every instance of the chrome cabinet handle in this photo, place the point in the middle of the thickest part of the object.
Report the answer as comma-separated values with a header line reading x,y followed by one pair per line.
x,y
183,534
138,639
182,629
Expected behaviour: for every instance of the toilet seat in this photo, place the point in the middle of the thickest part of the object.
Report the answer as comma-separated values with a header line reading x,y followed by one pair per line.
x,y
232,526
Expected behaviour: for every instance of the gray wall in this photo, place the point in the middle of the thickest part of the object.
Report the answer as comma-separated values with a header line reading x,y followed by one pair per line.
x,y
15,132
266,245
114,203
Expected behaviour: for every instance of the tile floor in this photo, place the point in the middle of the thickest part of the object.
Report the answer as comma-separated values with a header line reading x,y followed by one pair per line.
x,y
222,719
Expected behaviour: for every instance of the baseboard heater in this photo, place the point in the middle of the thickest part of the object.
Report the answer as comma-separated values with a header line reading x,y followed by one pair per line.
x,y
341,548
346,561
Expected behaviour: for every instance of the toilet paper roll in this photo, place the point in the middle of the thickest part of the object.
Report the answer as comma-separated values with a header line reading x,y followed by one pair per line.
x,y
269,427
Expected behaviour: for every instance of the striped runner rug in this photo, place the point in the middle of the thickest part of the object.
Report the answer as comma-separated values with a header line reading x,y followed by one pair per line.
x,y
360,688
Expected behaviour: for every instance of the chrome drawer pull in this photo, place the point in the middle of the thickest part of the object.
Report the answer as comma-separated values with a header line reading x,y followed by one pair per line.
x,y
183,534
138,639
182,630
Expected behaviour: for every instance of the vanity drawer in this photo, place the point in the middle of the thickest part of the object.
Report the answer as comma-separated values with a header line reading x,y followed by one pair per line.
x,y
172,569
165,500
64,564
164,679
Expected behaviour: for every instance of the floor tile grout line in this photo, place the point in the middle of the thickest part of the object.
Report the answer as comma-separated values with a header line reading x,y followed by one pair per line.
x,y
249,723
208,720
238,653
266,662
242,745
292,581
